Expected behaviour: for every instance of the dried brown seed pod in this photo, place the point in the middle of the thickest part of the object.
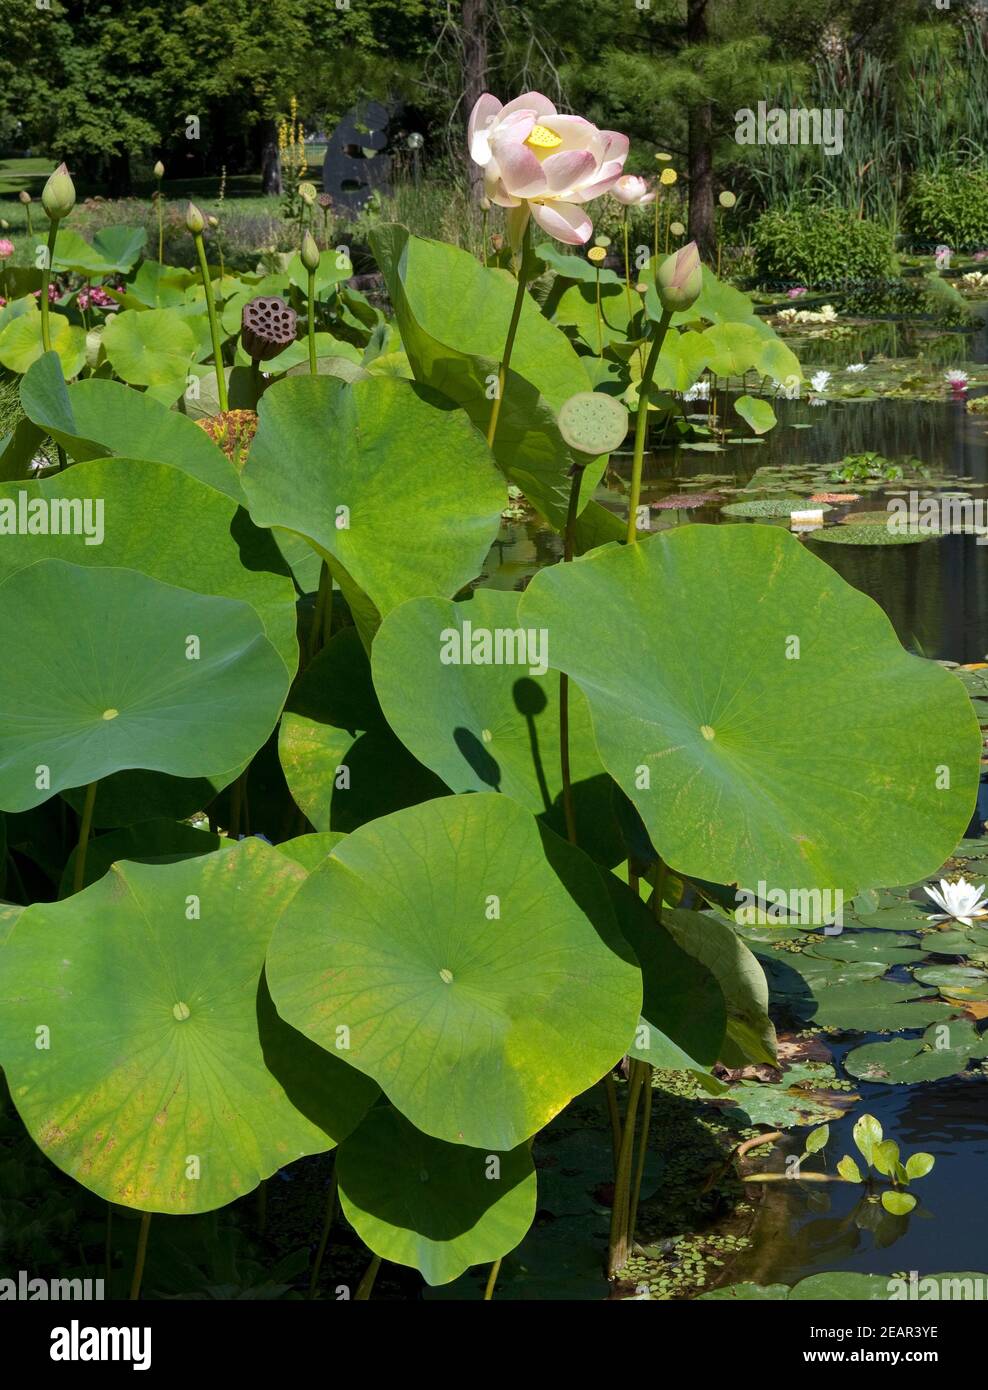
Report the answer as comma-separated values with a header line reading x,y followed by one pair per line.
x,y
267,326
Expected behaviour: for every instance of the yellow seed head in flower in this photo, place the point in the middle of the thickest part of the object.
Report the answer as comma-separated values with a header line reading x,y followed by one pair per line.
x,y
597,254
542,138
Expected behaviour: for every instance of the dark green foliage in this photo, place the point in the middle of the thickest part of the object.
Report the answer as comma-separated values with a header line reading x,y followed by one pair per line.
x,y
949,208
822,247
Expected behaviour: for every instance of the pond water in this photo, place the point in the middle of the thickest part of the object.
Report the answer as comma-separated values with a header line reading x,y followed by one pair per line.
x,y
936,596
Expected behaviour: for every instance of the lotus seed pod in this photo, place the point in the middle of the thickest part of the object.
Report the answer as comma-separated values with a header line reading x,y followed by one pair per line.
x,y
159,169
593,423
679,279
267,327
677,228
597,254
24,196
309,253
668,177
727,199
662,156
307,192
58,195
194,220
603,241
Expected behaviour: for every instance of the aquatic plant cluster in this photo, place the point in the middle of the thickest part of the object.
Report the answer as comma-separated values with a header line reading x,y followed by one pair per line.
x,y
349,852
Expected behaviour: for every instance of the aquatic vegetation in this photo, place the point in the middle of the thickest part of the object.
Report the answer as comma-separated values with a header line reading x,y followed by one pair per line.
x,y
883,1156
958,901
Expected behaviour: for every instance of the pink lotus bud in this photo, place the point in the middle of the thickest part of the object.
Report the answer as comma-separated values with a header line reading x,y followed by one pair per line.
x,y
679,279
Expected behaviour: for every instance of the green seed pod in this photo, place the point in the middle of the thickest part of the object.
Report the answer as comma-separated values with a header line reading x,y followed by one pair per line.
x,y
593,423
194,220
58,195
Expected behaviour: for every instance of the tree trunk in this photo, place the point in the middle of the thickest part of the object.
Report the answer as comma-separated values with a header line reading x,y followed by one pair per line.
x,y
474,15
270,160
701,220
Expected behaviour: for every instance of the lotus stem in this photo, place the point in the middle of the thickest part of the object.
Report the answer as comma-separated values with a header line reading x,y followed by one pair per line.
x,y
367,1282
313,369
600,317
161,228
564,767
655,225
45,282
214,327
142,1250
30,223
614,1114
621,1211
492,1280
803,1177
641,421
483,236
85,827
509,342
642,1154
324,1238
627,269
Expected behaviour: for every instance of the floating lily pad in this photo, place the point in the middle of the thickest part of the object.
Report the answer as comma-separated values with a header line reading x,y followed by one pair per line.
x,y
469,982
696,736
851,534
802,1097
856,946
944,1050
156,1089
770,506
438,1207
124,672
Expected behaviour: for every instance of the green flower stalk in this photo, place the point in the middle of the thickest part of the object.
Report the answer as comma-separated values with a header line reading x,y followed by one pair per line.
x,y
310,259
195,223
24,198
159,174
509,341
58,200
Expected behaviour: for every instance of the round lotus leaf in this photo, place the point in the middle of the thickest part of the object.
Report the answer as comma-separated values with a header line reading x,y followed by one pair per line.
x,y
138,1047
943,1050
869,534
593,423
123,671
438,1207
130,514
468,693
473,964
711,738
151,347
147,842
310,850
21,343
342,763
327,452
772,507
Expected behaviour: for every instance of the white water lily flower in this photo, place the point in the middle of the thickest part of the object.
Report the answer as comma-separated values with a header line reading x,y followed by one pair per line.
x,y
540,163
960,901
699,391
819,381
857,367
956,378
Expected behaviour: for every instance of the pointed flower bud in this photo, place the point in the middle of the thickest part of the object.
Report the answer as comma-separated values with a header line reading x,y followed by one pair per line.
x,y
58,195
194,220
310,253
24,196
679,279
159,169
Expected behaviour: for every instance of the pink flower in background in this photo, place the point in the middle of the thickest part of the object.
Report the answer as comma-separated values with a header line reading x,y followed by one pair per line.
x,y
53,293
539,163
6,248
795,292
632,191
981,255
96,297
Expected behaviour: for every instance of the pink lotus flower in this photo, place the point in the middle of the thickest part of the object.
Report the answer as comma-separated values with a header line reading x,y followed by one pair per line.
x,y
795,292
539,163
6,249
632,191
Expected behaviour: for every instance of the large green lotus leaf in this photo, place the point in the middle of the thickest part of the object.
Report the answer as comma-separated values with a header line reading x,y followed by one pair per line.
x,y
684,1015
310,850
129,798
398,462
111,680
151,347
165,524
492,724
454,315
21,343
342,763
943,1050
438,1207
160,1086
146,842
475,988
114,251
710,740
156,286
576,307
94,418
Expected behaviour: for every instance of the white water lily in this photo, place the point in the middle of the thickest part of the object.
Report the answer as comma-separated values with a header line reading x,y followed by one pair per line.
x,y
819,381
960,901
956,378
857,367
699,391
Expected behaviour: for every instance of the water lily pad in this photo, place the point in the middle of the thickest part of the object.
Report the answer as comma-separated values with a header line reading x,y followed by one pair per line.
x,y
353,468
438,1207
771,506
944,1050
151,347
124,672
460,963
21,343
157,1089
865,534
696,736
856,946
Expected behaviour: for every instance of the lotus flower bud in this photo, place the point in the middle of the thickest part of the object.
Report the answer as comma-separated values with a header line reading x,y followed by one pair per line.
x,y
194,220
310,253
58,195
267,327
24,196
214,222
159,169
4,224
485,204
679,279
